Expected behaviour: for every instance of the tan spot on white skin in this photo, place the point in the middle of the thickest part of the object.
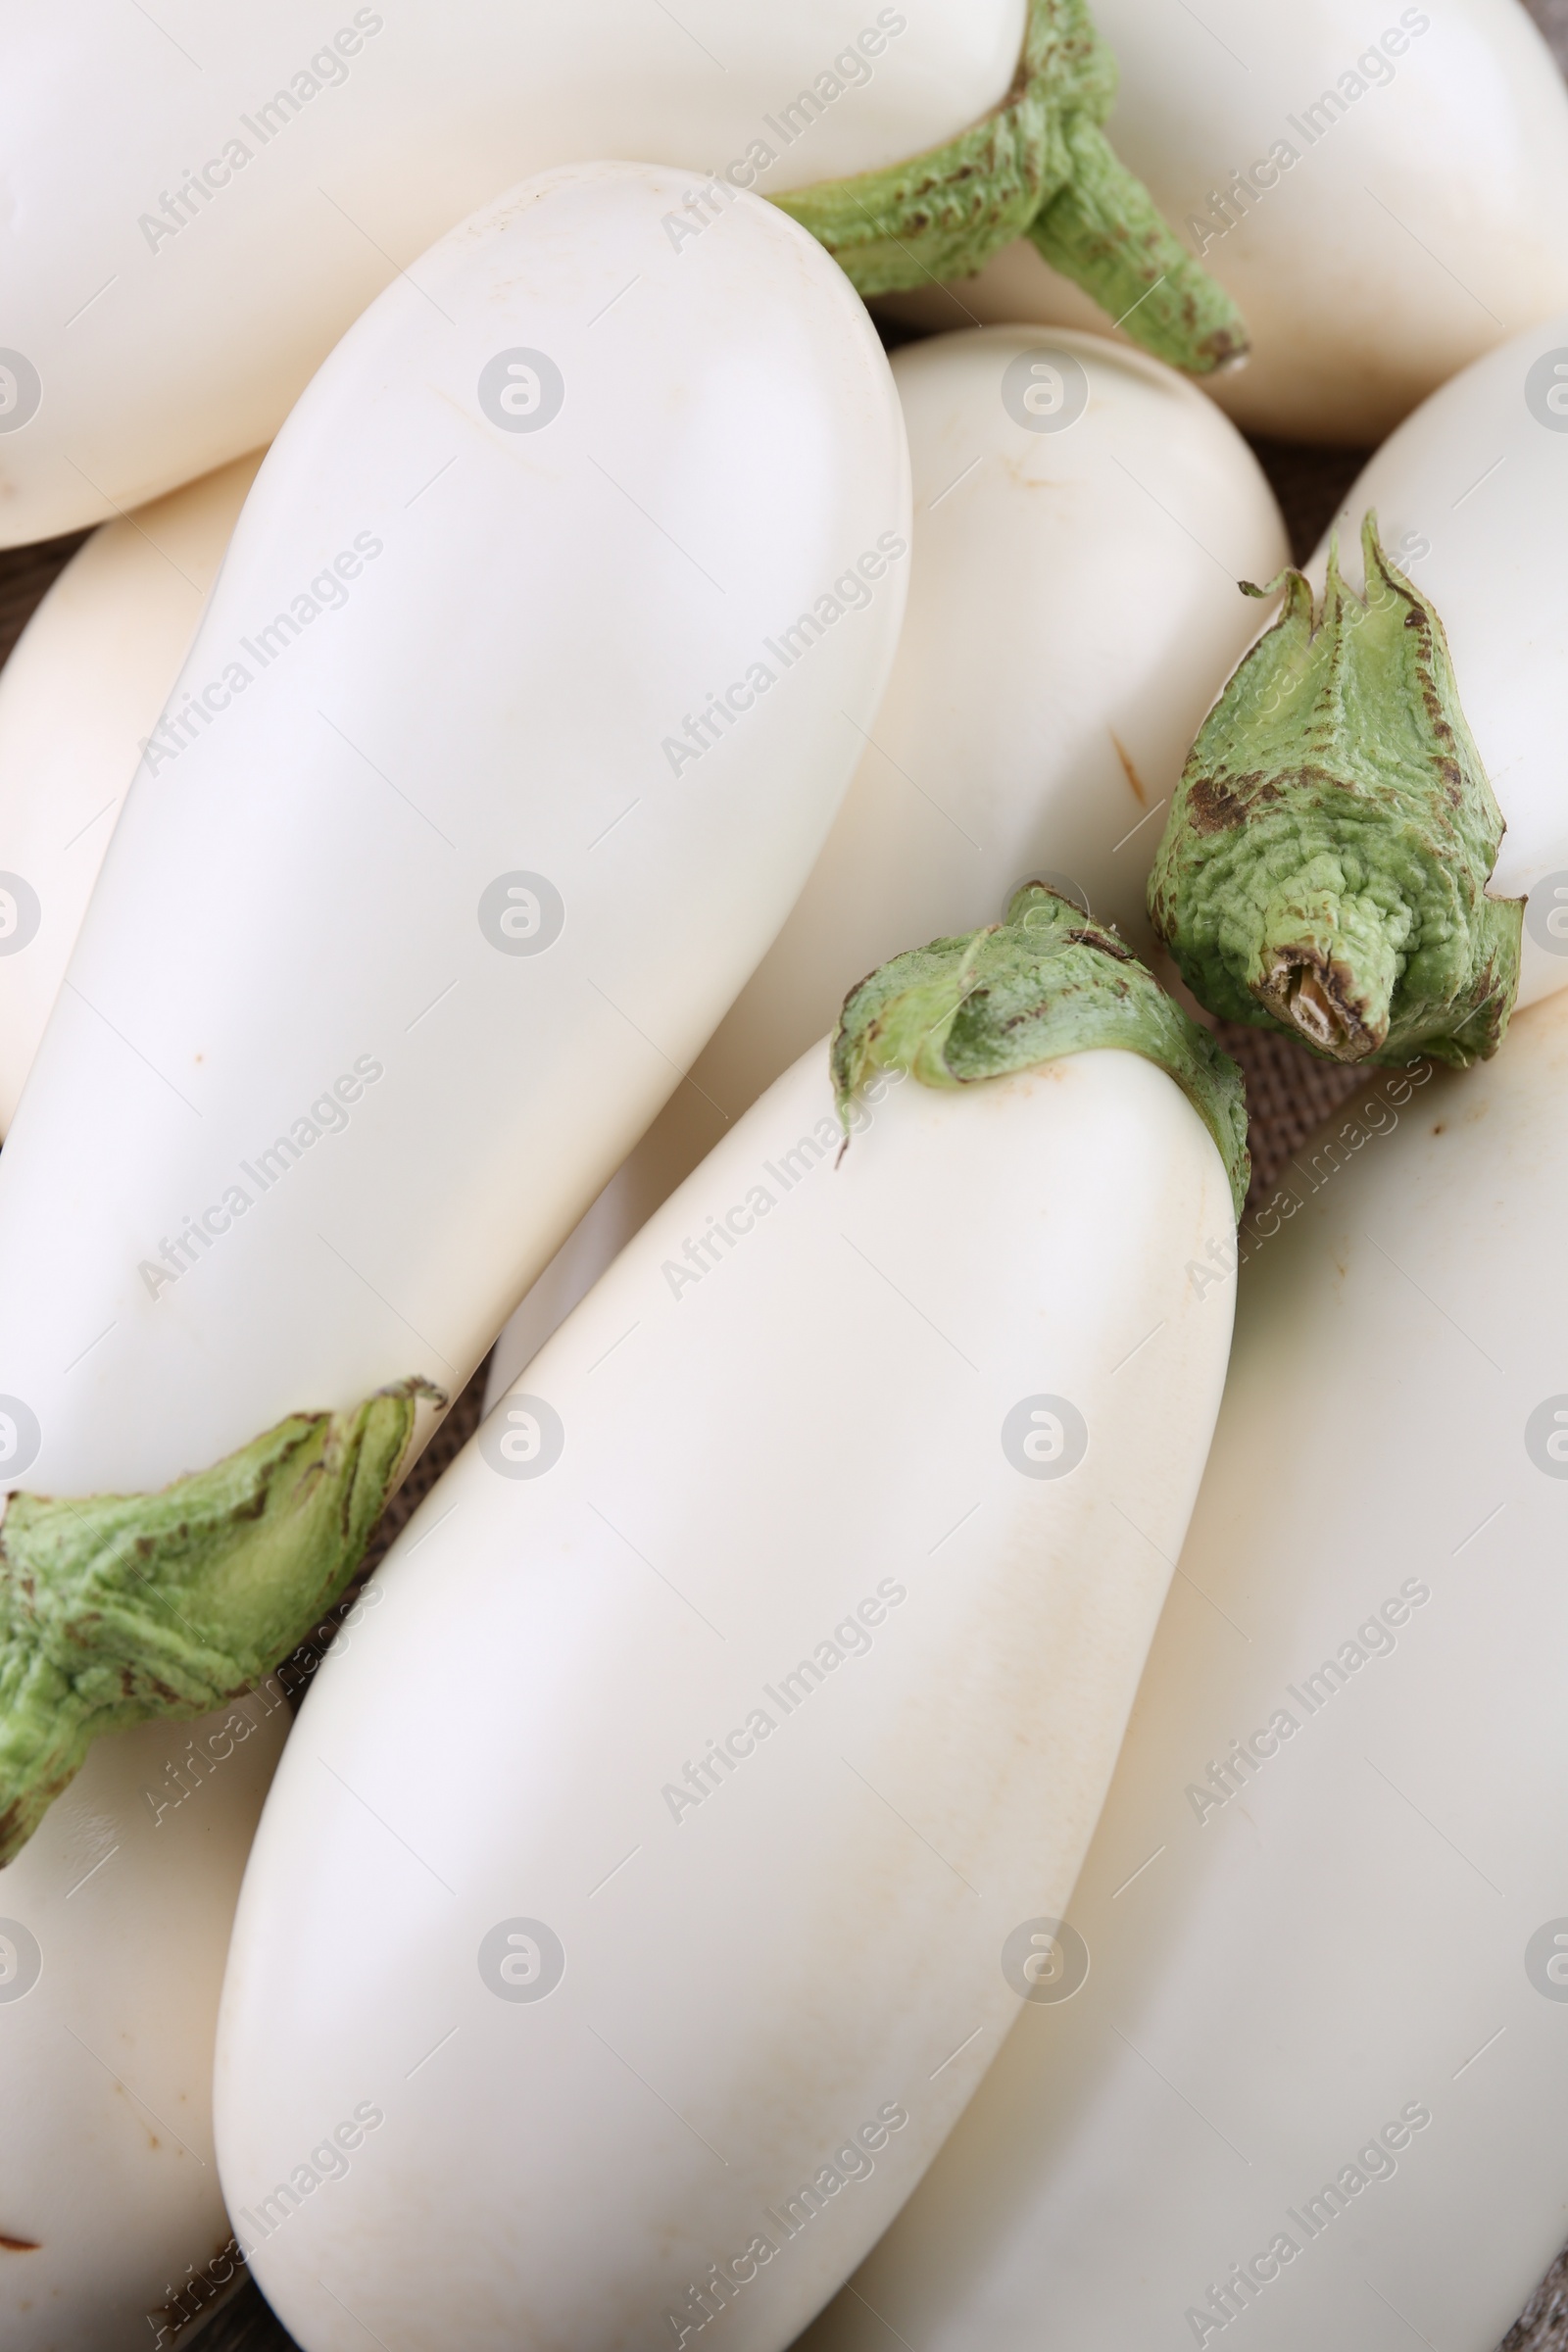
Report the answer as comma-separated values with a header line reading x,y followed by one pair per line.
x,y
1140,794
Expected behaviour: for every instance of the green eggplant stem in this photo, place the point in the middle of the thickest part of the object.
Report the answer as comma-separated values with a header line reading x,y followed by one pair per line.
x,y
1045,983
1039,165
1325,863
127,1606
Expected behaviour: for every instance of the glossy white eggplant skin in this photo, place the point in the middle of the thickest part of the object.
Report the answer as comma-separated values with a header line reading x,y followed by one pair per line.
x,y
747,1455
1073,612
109,2194
172,324
1420,223
1470,494
290,911
1373,1918
80,693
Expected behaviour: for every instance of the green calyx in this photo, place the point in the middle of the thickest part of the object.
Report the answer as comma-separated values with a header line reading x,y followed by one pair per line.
x,y
1039,165
1045,982
1325,863
127,1606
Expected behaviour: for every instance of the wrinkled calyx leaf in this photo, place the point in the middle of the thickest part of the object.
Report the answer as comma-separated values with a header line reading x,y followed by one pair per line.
x,y
1038,166
1325,863
1045,983
126,1607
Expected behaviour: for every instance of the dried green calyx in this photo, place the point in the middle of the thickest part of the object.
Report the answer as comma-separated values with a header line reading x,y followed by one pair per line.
x,y
1325,863
127,1606
1040,166
1045,982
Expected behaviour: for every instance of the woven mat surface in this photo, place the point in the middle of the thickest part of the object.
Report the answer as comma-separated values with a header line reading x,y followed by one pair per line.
x,y
1288,1095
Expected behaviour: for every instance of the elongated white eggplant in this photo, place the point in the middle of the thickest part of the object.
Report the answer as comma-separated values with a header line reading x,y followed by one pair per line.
x,y
1325,866
783,1629
1315,2088
82,692
1082,516
410,927
113,1927
1384,190
249,187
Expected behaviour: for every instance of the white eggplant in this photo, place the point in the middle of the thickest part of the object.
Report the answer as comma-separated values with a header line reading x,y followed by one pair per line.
x,y
113,1927
79,695
772,1650
411,928
1082,516
1378,791
1384,190
1323,2034
200,207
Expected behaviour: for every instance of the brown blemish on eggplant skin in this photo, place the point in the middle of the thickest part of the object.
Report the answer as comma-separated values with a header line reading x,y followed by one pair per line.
x,y
1140,793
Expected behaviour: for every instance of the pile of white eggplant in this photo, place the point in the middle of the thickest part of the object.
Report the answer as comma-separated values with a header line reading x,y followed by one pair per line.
x,y
1118,696
578,823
